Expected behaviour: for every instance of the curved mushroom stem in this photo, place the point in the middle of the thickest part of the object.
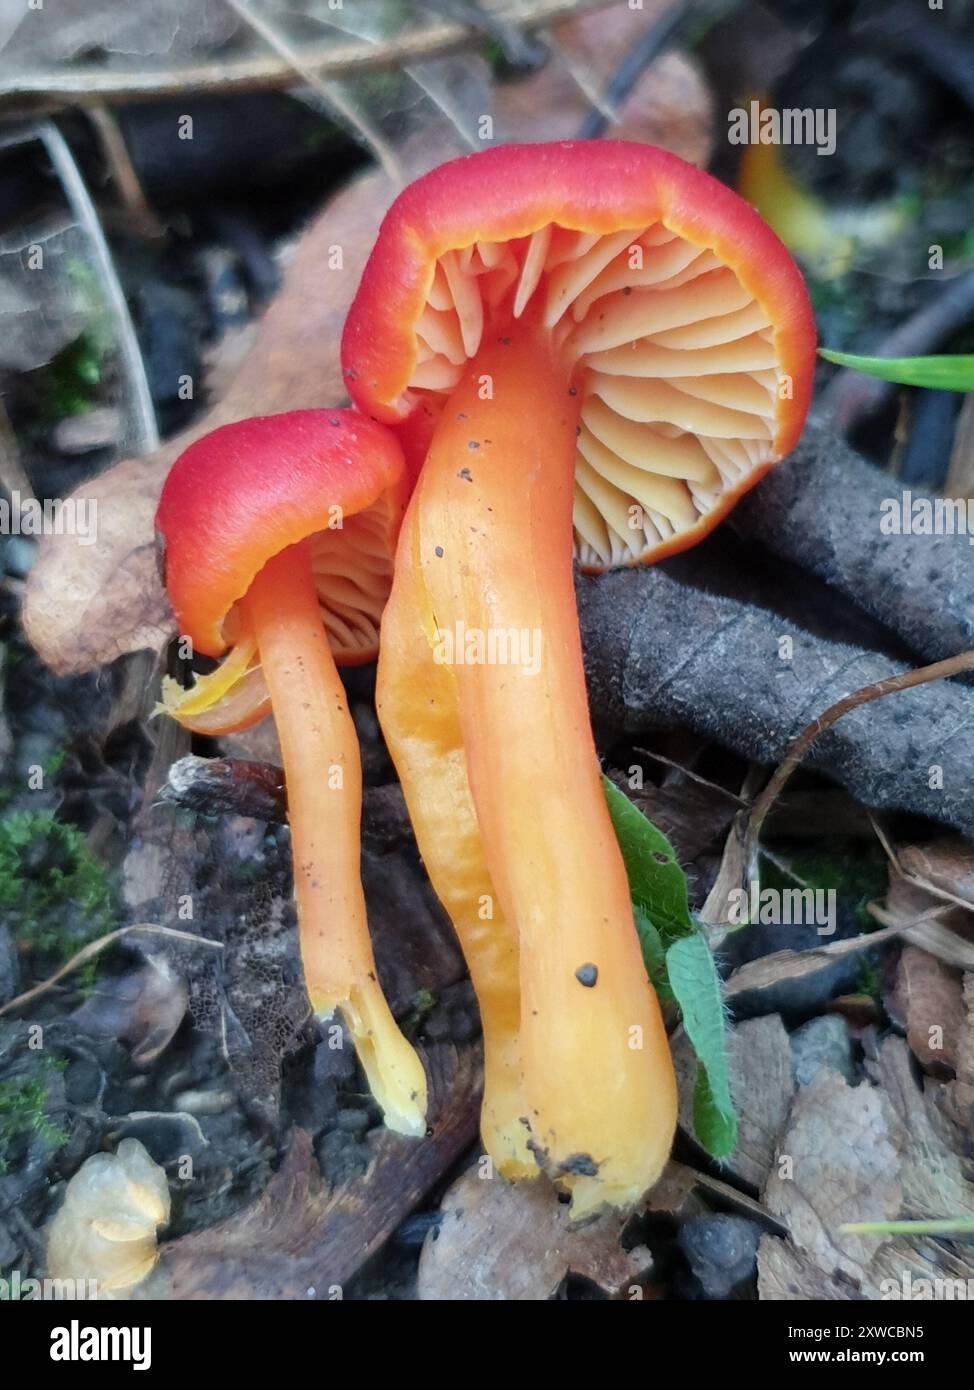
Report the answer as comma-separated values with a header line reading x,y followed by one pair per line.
x,y
323,776
494,508
417,704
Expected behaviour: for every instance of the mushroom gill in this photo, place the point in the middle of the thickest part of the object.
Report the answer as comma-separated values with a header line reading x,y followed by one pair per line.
x,y
673,358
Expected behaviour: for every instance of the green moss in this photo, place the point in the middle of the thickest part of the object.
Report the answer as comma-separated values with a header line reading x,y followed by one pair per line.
x,y
23,1112
54,893
858,873
868,982
422,1005
71,379
54,764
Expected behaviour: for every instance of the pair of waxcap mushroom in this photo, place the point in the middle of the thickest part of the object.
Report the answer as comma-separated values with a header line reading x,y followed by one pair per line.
x,y
576,352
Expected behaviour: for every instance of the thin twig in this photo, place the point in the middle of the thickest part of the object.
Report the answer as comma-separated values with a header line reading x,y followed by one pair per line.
x,y
906,680
506,32
88,83
331,94
694,776
147,434
123,174
95,948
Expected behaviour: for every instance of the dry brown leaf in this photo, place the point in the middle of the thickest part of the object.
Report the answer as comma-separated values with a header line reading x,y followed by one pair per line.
x,y
960,1092
514,1242
786,1276
870,1153
923,881
837,1162
947,864
762,1084
934,1173
928,1002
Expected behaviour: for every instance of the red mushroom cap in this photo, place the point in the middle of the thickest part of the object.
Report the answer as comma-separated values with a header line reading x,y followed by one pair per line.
x,y
683,318
240,495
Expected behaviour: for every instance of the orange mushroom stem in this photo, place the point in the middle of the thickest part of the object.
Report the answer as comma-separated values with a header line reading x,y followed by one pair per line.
x,y
604,332
281,531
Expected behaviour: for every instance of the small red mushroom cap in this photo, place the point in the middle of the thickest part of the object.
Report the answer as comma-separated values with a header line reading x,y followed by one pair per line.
x,y
243,493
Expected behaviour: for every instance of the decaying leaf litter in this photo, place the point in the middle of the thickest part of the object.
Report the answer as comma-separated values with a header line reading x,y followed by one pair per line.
x,y
202,1044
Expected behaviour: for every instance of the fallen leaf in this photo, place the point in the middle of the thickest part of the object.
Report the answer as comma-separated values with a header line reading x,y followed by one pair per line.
x,y
927,885
928,1002
161,29
853,1176
514,1242
683,1193
960,1092
934,1173
888,1155
946,864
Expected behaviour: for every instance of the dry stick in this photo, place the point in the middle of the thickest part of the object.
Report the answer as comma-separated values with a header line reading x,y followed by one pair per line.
x,y
86,83
922,675
693,776
122,170
95,948
637,59
504,30
332,95
822,508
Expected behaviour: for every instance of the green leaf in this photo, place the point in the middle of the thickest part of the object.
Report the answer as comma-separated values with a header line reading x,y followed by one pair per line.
x,y
657,884
696,988
952,372
654,955
678,962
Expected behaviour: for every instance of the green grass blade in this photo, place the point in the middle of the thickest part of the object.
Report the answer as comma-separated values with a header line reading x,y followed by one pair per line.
x,y
953,372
